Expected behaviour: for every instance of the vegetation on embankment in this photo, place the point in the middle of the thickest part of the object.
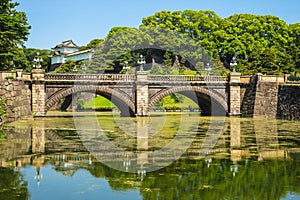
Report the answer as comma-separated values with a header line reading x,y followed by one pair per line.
x,y
172,102
100,104
2,111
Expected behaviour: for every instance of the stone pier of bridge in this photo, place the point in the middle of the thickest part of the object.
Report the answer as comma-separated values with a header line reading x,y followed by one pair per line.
x,y
142,94
38,93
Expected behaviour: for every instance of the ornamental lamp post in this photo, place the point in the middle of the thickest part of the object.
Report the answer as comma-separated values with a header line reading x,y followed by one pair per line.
x,y
75,69
126,67
83,68
141,61
37,61
12,64
207,68
233,64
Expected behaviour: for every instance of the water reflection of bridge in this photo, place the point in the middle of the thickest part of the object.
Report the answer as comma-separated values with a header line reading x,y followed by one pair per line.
x,y
37,144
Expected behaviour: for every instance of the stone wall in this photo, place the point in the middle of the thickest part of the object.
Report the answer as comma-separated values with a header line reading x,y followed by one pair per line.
x,y
259,99
265,104
270,100
17,96
248,92
289,102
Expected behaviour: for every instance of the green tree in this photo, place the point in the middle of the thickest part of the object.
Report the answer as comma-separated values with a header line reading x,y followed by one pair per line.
x,y
198,25
252,40
156,69
31,53
249,38
152,43
92,44
294,46
167,63
20,60
69,66
14,30
115,50
117,31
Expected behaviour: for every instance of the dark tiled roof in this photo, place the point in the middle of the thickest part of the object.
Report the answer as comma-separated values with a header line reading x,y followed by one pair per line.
x,y
67,43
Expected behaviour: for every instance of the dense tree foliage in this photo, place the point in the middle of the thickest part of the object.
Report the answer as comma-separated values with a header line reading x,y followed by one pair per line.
x,y
70,66
92,44
14,30
158,46
30,53
258,43
294,45
118,30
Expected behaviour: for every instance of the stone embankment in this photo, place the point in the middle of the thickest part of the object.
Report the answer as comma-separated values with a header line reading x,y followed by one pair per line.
x,y
17,97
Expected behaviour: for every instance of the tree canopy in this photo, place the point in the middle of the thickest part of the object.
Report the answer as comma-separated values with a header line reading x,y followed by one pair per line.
x,y
14,30
158,46
92,44
258,43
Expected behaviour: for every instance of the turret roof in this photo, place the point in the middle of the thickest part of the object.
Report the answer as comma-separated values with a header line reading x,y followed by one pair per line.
x,y
67,43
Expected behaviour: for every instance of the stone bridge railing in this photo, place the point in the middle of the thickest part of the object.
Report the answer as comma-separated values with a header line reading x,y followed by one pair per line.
x,y
89,77
188,78
130,78
64,77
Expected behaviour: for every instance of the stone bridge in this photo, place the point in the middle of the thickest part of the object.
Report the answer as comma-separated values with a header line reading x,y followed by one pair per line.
x,y
135,95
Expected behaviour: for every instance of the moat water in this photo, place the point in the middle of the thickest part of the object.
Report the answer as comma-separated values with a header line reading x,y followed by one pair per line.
x,y
164,156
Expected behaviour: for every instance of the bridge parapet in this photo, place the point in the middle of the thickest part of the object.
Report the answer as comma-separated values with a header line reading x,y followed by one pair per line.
x,y
129,77
89,77
18,74
188,78
270,78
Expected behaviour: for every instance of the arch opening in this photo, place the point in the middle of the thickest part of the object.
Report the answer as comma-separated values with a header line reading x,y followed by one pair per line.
x,y
210,103
122,101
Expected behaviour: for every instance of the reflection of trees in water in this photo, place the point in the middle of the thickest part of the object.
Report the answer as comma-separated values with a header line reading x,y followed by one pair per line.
x,y
11,185
186,178
196,179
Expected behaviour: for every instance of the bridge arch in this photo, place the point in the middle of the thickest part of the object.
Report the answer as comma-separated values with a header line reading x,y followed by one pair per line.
x,y
122,100
210,102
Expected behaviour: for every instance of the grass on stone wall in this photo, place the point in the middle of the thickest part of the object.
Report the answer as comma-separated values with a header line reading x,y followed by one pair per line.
x,y
2,135
176,102
99,103
169,103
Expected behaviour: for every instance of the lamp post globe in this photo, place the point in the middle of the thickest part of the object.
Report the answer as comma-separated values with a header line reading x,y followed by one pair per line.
x,y
141,61
126,67
37,61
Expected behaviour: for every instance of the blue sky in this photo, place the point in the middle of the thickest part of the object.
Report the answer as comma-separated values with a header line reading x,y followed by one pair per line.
x,y
54,21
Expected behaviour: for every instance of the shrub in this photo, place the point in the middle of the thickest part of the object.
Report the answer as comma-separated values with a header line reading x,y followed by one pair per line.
x,y
9,77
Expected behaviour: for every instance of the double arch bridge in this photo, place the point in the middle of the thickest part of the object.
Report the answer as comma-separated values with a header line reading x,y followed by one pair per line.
x,y
134,95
